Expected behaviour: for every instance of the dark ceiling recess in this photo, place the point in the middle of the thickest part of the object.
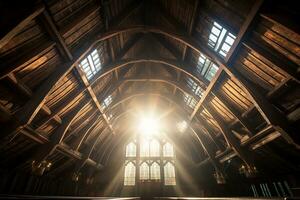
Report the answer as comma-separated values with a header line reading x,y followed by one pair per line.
x,y
224,76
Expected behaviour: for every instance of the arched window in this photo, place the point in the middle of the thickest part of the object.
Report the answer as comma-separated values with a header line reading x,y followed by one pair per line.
x,y
154,148
168,150
150,158
131,150
169,173
155,171
129,177
144,171
144,148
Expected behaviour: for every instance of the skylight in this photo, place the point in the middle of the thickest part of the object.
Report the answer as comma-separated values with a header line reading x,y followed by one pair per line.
x,y
220,39
195,87
91,64
106,102
206,67
190,101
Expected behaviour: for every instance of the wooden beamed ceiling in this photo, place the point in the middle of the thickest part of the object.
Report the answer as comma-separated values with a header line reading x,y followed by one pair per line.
x,y
46,97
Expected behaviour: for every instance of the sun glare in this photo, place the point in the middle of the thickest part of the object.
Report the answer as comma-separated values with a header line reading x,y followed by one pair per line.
x,y
149,125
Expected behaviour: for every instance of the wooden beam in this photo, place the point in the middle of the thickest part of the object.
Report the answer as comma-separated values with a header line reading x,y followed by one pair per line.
x,y
58,135
85,134
236,113
71,98
50,27
192,23
218,167
207,92
126,13
267,110
244,31
94,98
40,139
12,26
209,130
87,153
230,138
20,60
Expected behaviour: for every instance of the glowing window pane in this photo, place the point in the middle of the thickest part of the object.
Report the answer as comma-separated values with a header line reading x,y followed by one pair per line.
x,y
129,177
211,72
144,171
131,150
220,39
168,150
207,68
155,171
144,148
154,148
195,87
190,101
91,64
107,101
169,173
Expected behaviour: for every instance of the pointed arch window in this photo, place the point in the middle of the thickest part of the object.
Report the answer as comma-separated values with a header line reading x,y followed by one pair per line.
x,y
155,171
144,171
131,150
149,156
168,150
129,176
169,174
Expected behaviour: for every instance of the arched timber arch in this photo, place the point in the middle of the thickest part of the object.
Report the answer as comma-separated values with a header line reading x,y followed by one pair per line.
x,y
266,109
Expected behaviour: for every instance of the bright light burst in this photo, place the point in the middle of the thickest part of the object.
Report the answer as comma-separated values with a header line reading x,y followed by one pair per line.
x,y
182,126
149,125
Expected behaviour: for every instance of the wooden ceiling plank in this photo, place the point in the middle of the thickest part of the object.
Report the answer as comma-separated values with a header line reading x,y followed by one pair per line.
x,y
244,31
230,138
211,154
7,33
266,109
57,136
30,133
